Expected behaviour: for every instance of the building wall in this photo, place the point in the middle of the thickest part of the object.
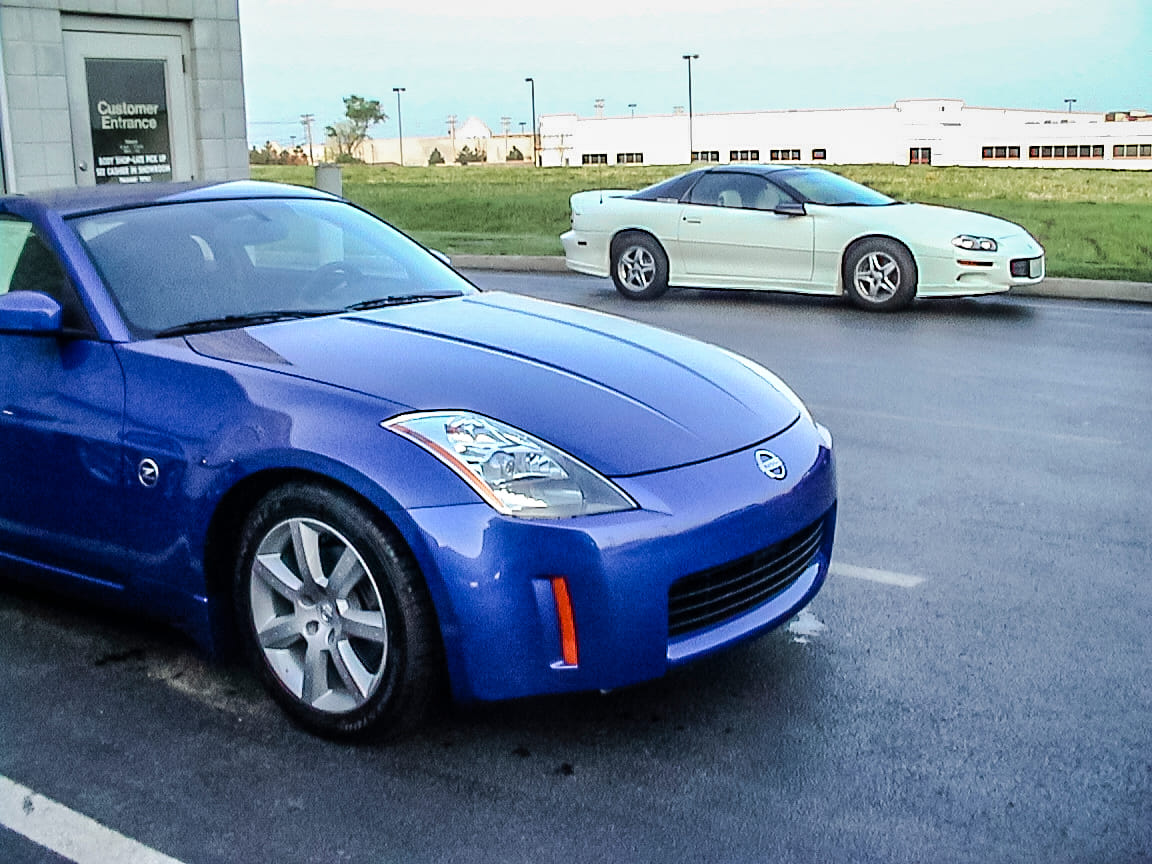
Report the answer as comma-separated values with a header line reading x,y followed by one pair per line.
x,y
377,151
942,131
36,131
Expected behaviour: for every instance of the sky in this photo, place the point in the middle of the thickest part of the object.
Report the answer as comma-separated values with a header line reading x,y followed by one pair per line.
x,y
471,58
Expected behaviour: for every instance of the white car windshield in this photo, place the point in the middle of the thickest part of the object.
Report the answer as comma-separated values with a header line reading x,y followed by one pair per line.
x,y
815,186
206,265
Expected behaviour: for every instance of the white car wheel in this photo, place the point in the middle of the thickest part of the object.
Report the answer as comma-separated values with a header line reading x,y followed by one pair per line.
x,y
879,275
639,266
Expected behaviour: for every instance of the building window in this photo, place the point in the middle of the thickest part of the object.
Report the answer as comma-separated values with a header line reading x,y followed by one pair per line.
x,y
1131,151
1000,152
788,155
629,158
1146,149
1058,151
705,155
819,154
594,159
1097,151
1034,152
1046,151
920,156
744,156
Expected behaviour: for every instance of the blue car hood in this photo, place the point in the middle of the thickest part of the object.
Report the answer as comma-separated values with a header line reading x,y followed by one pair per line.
x,y
622,397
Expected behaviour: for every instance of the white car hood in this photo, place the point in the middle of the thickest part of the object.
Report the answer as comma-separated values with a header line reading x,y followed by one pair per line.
x,y
928,221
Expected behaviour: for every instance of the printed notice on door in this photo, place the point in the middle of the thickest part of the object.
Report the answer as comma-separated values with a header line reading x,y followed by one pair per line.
x,y
129,109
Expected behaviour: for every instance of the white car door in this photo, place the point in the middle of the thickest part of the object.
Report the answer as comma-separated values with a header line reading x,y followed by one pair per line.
x,y
729,235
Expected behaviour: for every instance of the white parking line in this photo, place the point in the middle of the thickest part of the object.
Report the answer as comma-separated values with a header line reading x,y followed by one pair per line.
x,y
69,834
887,577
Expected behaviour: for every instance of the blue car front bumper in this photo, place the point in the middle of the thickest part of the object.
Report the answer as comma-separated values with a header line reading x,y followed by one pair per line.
x,y
492,576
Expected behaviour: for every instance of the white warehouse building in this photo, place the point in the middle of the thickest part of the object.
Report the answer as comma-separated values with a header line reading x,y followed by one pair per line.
x,y
911,131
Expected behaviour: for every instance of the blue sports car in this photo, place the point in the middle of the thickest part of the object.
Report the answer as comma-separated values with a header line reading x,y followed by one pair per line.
x,y
264,415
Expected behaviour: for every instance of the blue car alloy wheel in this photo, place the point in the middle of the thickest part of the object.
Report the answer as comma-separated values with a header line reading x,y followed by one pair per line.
x,y
276,421
337,620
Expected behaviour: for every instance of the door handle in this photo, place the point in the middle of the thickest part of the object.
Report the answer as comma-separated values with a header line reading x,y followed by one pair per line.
x,y
692,221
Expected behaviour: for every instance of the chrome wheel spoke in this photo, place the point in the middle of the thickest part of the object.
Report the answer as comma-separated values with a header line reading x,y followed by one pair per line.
x,y
345,575
364,624
280,633
306,545
315,674
356,677
276,575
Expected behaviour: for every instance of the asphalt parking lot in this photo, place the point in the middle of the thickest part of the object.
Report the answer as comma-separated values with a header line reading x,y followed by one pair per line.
x,y
970,686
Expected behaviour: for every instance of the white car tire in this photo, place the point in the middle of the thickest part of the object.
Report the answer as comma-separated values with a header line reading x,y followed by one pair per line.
x,y
639,266
879,275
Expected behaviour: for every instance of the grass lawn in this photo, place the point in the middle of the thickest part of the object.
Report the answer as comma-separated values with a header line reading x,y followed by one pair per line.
x,y
1095,224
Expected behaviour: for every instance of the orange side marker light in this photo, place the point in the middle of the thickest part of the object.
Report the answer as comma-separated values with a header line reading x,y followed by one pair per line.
x,y
568,648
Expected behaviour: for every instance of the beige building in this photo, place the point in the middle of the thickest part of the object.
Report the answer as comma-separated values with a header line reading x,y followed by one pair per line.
x,y
114,91
473,134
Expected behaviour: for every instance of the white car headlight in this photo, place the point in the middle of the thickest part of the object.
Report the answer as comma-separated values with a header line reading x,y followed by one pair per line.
x,y
974,243
516,473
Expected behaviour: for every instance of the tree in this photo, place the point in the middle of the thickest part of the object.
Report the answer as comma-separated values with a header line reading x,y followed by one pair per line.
x,y
467,154
347,135
435,157
514,155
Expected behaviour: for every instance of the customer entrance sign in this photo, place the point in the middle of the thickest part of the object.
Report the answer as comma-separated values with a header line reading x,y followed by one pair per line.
x,y
128,105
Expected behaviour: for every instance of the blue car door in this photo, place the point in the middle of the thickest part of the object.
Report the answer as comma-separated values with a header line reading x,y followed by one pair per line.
x,y
61,410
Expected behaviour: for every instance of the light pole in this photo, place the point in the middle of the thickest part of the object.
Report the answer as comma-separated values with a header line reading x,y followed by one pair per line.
x,y
1069,103
691,143
632,105
535,157
400,122
307,120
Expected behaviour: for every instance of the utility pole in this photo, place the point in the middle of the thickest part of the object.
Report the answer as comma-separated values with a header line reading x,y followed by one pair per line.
x,y
691,143
307,120
535,136
400,122
452,132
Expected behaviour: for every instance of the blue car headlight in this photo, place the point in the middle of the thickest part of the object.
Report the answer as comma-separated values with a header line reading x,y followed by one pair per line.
x,y
516,473
975,244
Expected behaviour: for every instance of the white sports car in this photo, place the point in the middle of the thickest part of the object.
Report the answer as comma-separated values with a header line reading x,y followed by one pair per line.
x,y
798,229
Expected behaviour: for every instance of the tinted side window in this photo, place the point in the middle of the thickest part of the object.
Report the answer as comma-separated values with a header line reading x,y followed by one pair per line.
x,y
745,191
27,264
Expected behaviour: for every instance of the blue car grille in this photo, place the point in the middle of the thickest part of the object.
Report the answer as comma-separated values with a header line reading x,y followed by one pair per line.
x,y
713,596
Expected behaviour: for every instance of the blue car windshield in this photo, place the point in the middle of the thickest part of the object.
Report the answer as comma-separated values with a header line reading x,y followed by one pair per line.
x,y
227,263
816,186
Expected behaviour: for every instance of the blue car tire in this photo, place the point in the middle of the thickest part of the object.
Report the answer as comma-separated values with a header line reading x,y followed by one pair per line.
x,y
335,615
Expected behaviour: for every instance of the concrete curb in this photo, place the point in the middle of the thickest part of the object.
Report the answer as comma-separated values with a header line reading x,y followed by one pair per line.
x,y
1068,289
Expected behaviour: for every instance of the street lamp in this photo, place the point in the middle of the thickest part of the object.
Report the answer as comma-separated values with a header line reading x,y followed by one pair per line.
x,y
535,158
1069,103
691,143
632,105
399,122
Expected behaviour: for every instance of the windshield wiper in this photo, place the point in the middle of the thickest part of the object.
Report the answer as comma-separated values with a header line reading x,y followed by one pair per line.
x,y
400,300
226,322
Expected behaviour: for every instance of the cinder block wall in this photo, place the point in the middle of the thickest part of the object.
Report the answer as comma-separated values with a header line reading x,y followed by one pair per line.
x,y
35,129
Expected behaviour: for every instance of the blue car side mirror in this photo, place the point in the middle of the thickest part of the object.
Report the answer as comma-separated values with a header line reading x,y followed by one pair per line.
x,y
29,312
